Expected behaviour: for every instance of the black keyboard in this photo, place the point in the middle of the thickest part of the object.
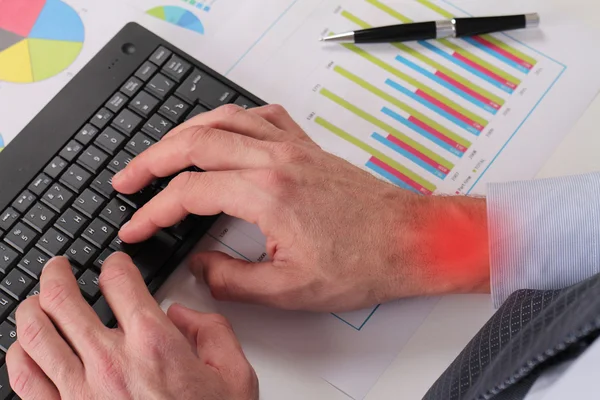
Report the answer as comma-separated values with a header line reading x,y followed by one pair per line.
x,y
56,195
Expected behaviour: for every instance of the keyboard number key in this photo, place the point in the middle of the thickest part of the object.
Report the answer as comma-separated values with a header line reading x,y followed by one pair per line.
x,y
93,159
21,237
76,178
58,197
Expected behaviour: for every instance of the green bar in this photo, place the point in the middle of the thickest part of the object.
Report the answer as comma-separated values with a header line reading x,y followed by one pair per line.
x,y
436,8
387,128
403,106
430,62
375,153
510,49
440,97
480,61
390,11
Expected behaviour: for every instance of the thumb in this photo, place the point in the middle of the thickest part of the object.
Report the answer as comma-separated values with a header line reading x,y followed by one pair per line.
x,y
237,280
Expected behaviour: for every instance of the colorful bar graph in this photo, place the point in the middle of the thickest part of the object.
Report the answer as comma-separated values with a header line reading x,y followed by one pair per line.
x,y
438,107
431,93
448,85
519,54
390,11
503,53
454,143
398,171
419,148
427,132
446,74
493,51
392,177
472,67
436,8
422,161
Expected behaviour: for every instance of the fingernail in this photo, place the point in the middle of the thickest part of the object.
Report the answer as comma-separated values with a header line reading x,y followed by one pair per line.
x,y
52,261
109,257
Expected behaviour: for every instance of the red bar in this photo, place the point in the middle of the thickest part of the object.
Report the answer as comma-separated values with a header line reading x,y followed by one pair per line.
x,y
400,176
437,134
417,154
484,70
503,52
468,90
449,110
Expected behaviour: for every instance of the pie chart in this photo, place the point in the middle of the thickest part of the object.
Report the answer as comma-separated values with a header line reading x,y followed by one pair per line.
x,y
178,16
38,39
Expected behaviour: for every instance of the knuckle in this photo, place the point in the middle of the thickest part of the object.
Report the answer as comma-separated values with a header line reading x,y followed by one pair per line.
x,y
276,110
181,182
114,274
219,320
53,294
291,152
153,337
109,371
229,110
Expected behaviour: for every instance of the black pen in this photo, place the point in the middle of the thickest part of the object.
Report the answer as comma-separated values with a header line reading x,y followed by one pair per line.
x,y
457,27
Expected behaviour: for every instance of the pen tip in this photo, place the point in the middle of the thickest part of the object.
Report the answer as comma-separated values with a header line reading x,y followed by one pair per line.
x,y
321,39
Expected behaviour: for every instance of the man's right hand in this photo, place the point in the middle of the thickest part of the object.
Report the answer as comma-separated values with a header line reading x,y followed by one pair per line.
x,y
338,238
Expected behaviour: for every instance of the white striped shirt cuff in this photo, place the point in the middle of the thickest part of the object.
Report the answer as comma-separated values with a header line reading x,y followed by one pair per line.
x,y
544,234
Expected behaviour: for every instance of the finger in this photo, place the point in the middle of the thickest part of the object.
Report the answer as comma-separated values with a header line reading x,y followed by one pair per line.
x,y
208,148
235,119
125,291
280,118
236,280
62,301
203,193
42,342
26,378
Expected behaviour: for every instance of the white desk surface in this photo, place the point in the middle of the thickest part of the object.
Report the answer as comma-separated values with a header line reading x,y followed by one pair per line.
x,y
440,340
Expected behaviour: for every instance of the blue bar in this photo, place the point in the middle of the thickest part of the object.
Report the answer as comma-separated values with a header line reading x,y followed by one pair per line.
x,y
447,85
499,56
472,70
391,177
408,155
421,131
432,107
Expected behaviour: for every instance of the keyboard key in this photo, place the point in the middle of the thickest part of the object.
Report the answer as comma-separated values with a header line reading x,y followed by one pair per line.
x,y
24,201
110,140
82,253
89,203
176,68
40,184
102,257
7,304
144,103
101,118
8,218
40,217
117,102
130,248
12,317
99,233
138,199
160,56
199,109
154,253
34,262
21,237
200,86
181,229
132,86
8,258
104,312
93,159
5,390
139,143
17,284
58,197
120,161
56,167
71,223
117,212
35,291
75,270
160,86
157,126
76,178
54,242
146,71
103,183
245,103
86,134
71,150
127,122
174,109
88,283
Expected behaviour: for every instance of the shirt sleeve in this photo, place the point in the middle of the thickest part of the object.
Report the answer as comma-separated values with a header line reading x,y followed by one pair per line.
x,y
544,234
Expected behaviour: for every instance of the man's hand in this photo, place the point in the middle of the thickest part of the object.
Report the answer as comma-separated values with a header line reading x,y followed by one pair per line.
x,y
64,352
338,238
